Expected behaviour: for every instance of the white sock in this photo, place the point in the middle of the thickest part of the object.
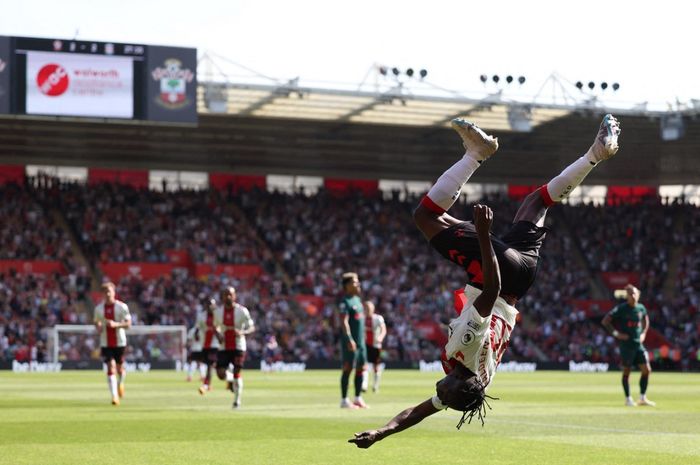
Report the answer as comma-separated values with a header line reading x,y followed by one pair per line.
x,y
446,189
122,376
229,376
237,389
202,370
643,397
561,186
377,376
112,384
190,369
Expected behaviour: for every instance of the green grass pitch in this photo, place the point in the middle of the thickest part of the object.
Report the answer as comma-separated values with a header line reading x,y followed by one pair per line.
x,y
293,418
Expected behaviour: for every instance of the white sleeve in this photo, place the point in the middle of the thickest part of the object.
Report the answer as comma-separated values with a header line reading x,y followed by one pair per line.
x,y
126,316
98,314
437,403
248,320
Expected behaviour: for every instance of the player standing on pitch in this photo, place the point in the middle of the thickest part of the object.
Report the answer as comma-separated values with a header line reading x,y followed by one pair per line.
x,y
352,340
111,320
500,271
632,319
234,323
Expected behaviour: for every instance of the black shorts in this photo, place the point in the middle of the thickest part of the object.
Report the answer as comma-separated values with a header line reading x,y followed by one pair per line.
x,y
518,253
209,356
197,356
113,353
374,355
226,357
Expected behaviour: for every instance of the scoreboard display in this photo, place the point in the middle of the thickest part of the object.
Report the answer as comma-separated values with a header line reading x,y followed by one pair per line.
x,y
55,77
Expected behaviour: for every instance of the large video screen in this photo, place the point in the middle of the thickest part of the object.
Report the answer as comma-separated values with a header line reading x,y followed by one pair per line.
x,y
74,78
74,84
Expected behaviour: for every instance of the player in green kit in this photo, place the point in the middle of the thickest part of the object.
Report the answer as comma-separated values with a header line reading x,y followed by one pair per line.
x,y
629,323
352,339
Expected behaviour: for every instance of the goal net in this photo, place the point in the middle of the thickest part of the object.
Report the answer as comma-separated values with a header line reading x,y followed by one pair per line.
x,y
145,343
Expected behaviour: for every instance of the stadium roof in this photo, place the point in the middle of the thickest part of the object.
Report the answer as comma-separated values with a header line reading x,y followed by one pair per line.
x,y
393,106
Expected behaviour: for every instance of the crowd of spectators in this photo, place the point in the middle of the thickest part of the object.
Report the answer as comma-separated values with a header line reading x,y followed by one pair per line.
x,y
304,242
27,230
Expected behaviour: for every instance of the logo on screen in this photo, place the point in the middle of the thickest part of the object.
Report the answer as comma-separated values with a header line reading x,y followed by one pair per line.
x,y
52,80
173,84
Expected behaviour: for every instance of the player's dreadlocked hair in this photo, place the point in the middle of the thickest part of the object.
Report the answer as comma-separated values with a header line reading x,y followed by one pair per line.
x,y
471,400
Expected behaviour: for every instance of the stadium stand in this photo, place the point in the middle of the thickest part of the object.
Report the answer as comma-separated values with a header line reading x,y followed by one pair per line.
x,y
300,243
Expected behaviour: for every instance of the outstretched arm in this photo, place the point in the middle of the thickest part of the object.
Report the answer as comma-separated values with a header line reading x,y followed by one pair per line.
x,y
483,218
409,417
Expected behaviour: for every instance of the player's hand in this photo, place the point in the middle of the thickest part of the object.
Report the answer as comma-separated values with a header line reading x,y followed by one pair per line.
x,y
483,218
111,324
352,345
365,439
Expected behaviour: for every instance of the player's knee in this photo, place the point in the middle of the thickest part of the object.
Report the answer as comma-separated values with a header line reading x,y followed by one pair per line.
x,y
646,370
427,221
221,373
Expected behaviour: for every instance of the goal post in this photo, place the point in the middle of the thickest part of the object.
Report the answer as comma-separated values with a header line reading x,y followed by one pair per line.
x,y
168,341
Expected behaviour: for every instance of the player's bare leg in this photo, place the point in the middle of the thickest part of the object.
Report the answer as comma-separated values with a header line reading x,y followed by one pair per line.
x,y
605,146
430,216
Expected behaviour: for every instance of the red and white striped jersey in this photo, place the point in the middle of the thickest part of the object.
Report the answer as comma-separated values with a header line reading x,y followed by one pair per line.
x,y
118,312
206,323
232,320
478,342
373,329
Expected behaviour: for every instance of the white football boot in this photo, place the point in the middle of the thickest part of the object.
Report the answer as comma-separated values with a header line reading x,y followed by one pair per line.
x,y
477,143
605,144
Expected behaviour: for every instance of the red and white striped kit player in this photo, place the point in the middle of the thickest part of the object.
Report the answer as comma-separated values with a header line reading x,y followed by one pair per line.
x,y
478,342
375,332
206,324
119,312
208,335
234,323
111,319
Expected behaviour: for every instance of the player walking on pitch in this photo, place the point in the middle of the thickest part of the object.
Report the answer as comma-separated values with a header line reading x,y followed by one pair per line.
x,y
375,332
111,319
500,271
194,354
208,332
234,323
632,319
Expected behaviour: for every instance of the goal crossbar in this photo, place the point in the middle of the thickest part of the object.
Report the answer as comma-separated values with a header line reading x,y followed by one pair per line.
x,y
134,330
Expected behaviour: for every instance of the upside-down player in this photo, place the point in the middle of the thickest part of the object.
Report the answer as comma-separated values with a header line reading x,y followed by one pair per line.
x,y
111,319
234,323
500,272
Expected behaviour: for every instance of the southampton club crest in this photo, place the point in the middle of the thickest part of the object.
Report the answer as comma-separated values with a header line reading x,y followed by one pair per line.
x,y
173,84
